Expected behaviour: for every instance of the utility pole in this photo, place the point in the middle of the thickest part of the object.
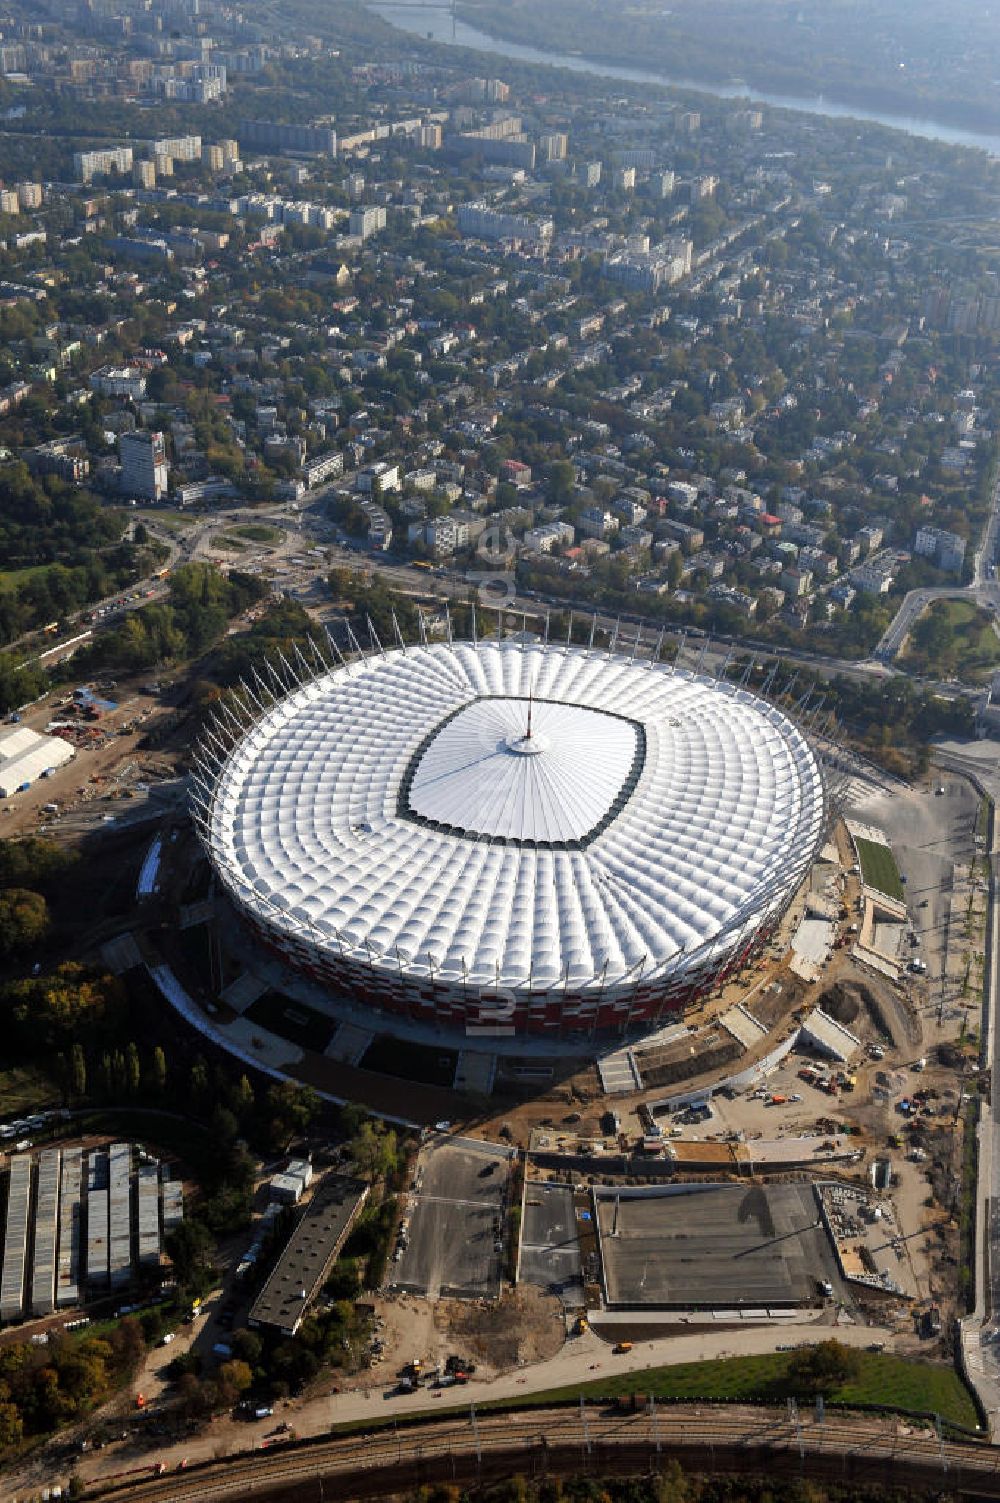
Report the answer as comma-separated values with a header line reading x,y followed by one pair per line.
x,y
475,1431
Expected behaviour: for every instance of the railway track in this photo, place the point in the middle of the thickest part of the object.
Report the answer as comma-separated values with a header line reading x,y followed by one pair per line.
x,y
598,1441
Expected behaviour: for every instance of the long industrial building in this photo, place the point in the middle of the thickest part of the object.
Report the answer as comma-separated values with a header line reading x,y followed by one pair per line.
x,y
70,1226
15,1242
43,1264
554,840
305,1263
80,1226
97,1222
119,1215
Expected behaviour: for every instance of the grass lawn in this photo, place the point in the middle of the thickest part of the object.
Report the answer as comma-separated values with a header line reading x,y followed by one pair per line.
x,y
10,579
258,532
24,1090
892,1382
163,517
879,869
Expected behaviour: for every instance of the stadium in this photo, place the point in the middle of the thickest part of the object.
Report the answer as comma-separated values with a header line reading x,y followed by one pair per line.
x,y
510,837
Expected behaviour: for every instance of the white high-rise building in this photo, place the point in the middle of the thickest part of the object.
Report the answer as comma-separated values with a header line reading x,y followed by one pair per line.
x,y
144,465
91,164
367,221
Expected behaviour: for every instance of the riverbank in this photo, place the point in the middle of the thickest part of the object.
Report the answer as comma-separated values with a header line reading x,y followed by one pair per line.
x,y
438,26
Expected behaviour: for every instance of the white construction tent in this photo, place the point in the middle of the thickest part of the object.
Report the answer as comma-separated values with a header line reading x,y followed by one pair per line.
x,y
26,755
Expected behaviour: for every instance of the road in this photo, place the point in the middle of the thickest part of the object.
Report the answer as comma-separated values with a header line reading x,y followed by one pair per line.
x,y
632,630
980,1330
596,1440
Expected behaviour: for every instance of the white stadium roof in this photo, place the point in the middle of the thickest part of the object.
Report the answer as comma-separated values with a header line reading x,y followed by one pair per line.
x,y
396,811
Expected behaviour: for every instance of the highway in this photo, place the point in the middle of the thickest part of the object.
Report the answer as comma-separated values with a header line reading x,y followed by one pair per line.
x,y
595,1439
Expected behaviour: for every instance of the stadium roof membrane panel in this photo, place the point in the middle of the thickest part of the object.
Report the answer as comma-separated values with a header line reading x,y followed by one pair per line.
x,y
517,815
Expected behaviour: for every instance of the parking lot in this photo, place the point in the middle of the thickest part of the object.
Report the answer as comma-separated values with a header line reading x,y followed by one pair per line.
x,y
452,1244
929,832
550,1252
714,1246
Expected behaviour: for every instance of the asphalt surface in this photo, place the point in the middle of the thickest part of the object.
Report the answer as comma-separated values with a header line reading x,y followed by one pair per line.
x,y
716,1246
550,1252
455,1221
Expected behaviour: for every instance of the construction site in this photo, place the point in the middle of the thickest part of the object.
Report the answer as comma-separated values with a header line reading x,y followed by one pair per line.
x,y
841,1055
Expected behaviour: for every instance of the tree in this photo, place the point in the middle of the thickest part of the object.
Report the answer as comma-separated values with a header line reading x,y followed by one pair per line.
x,y
560,480
11,1426
223,1126
158,1071
77,1070
365,1149
133,1071
24,919
199,1080
243,1098
374,1150
190,1248
292,1108
822,1368
236,1375
32,862
246,1346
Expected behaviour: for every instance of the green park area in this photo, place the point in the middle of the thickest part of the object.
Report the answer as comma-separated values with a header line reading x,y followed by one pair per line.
x,y
954,639
879,869
258,532
842,1375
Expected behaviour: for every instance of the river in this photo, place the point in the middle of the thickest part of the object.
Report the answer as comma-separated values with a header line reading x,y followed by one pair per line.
x,y
437,25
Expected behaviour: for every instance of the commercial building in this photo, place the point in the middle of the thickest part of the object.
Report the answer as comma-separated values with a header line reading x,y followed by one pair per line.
x,y
119,381
265,135
144,465
367,221
483,223
947,549
549,536
65,457
90,164
305,1264
554,147
178,148
324,467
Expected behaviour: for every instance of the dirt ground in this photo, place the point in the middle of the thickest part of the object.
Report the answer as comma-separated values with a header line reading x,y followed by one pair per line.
x,y
524,1327
99,771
